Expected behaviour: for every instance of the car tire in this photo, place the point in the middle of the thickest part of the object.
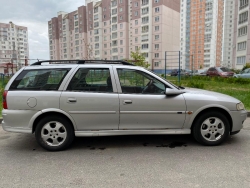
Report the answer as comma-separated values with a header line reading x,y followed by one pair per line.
x,y
54,133
211,128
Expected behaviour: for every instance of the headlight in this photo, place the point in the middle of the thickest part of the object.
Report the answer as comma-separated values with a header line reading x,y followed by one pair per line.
x,y
240,106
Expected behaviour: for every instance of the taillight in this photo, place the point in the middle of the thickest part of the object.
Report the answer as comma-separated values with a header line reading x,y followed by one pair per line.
x,y
5,106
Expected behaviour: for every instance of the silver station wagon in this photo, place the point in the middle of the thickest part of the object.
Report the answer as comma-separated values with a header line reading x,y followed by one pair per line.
x,y
58,100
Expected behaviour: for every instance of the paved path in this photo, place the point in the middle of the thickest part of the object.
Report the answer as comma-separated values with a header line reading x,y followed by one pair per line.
x,y
126,161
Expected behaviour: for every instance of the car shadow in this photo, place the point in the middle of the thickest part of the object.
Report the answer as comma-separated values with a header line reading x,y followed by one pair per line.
x,y
28,142
103,143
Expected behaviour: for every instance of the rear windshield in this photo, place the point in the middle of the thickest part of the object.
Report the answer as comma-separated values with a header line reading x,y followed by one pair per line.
x,y
39,79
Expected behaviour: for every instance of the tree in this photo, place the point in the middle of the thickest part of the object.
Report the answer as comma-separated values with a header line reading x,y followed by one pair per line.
x,y
138,59
246,66
89,51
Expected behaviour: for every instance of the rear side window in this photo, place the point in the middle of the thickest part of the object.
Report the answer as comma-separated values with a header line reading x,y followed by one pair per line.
x,y
91,80
40,79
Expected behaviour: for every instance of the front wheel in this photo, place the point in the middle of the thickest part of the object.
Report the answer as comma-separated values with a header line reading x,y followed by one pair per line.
x,y
211,128
54,133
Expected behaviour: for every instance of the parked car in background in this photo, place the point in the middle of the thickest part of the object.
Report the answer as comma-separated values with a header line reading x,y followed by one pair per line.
x,y
243,74
200,72
220,71
175,72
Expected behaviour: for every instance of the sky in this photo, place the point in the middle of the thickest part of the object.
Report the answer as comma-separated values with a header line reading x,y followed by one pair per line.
x,y
35,15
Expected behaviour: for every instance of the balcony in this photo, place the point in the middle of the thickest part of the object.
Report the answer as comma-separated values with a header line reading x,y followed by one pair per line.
x,y
145,2
243,6
243,21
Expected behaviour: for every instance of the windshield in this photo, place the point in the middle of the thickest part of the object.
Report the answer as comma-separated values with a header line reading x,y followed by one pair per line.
x,y
164,79
224,69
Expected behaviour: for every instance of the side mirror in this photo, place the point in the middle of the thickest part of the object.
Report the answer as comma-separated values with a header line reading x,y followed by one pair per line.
x,y
173,91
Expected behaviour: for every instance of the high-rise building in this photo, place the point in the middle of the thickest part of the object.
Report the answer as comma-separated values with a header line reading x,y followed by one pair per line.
x,y
201,33
241,44
112,29
228,33
14,46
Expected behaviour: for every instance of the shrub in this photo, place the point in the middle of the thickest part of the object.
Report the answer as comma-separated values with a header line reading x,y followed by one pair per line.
x,y
246,66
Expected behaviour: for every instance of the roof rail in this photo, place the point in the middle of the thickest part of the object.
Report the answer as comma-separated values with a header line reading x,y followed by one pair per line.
x,y
83,62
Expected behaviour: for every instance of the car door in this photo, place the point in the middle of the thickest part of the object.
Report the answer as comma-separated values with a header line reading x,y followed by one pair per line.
x,y
91,99
143,103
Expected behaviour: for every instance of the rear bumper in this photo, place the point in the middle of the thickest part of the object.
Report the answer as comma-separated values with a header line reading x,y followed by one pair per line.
x,y
15,129
238,118
17,120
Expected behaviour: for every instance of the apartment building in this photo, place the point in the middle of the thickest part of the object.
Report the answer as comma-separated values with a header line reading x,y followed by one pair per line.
x,y
68,35
201,33
228,34
112,29
14,44
241,45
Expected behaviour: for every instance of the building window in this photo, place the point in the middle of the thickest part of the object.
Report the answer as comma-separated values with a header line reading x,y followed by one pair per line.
x,y
156,1
121,34
145,20
243,17
243,4
157,46
156,64
145,2
242,31
157,28
157,9
121,50
241,60
145,10
156,55
157,19
136,22
136,13
242,46
145,29
157,37
144,46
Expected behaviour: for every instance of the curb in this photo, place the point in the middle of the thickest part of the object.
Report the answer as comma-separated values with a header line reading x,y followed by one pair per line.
x,y
248,115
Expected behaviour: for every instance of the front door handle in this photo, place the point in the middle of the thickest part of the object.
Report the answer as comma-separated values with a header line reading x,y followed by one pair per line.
x,y
127,102
72,100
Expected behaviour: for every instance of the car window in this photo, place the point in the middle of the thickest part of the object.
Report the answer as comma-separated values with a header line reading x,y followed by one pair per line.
x,y
134,81
39,79
224,69
91,80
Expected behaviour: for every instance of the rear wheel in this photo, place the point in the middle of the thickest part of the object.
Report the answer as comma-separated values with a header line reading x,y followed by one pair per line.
x,y
54,133
211,128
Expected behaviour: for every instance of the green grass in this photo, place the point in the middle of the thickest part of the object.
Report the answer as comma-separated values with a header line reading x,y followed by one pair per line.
x,y
235,87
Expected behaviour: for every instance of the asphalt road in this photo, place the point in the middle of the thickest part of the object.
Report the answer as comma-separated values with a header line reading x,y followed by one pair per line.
x,y
126,161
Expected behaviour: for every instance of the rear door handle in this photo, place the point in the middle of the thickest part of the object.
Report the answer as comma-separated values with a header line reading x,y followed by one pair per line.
x,y
127,102
72,100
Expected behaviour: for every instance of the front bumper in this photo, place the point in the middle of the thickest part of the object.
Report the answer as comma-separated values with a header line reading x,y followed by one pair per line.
x,y
238,118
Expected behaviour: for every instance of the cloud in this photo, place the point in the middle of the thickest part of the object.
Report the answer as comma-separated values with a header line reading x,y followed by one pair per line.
x,y
35,15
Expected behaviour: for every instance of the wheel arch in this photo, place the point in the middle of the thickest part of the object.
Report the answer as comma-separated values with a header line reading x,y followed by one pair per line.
x,y
218,109
47,112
